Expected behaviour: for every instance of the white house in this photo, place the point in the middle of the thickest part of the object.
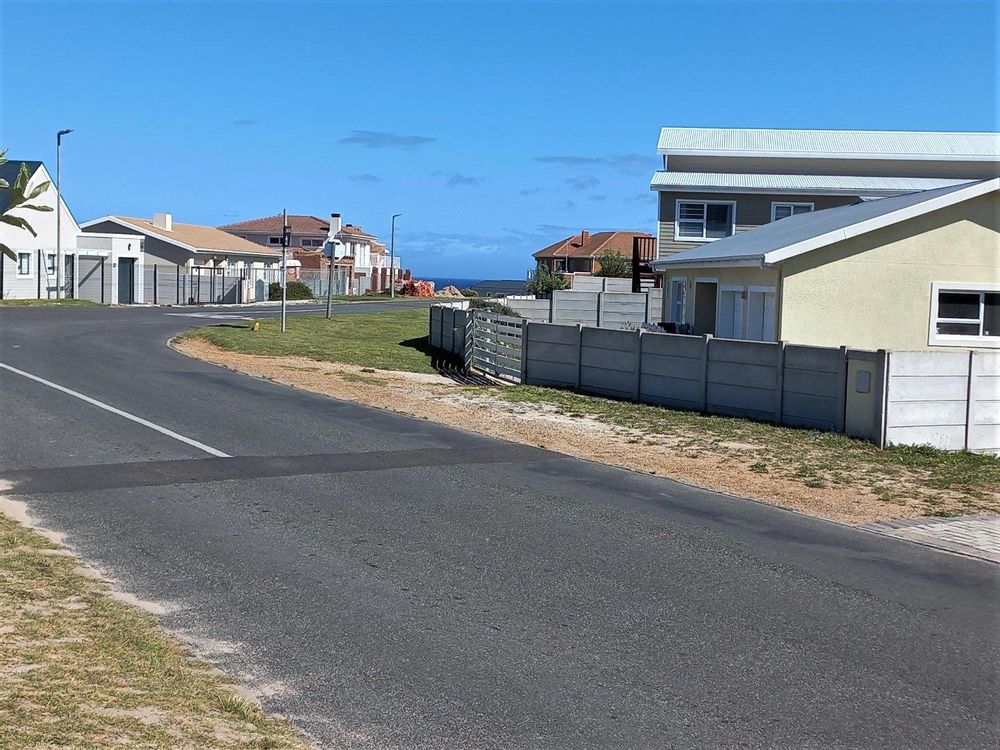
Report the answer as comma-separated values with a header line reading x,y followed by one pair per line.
x,y
101,267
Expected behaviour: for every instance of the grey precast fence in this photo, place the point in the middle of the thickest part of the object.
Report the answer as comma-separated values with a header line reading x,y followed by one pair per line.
x,y
802,386
450,331
601,309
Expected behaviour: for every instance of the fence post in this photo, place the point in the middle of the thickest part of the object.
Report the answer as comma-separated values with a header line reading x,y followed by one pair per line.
x,y
882,366
525,328
552,302
779,392
40,270
970,393
579,355
842,391
600,304
637,384
102,279
707,340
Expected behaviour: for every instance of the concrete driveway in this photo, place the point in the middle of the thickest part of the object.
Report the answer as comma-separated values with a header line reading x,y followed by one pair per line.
x,y
389,582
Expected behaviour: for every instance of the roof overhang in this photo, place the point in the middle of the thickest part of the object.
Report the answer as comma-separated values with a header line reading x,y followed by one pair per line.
x,y
173,241
666,264
855,155
770,190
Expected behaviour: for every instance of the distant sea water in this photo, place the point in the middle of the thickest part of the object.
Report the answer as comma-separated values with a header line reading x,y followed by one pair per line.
x,y
443,281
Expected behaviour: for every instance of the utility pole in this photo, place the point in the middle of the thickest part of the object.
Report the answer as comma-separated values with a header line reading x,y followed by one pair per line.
x,y
392,257
286,236
60,292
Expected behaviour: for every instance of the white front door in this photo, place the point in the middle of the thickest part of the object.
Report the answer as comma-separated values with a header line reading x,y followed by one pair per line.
x,y
760,315
730,321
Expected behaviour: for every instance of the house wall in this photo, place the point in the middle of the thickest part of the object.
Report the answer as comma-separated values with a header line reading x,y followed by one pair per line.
x,y
974,170
874,290
752,210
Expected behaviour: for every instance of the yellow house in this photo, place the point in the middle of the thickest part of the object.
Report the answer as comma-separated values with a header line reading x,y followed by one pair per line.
x,y
919,271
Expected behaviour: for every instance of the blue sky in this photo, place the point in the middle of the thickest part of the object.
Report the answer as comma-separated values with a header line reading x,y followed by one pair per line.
x,y
494,128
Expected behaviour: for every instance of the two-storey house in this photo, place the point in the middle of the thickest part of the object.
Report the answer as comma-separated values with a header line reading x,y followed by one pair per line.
x,y
717,183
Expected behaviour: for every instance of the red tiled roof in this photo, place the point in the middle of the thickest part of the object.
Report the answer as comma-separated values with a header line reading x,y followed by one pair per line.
x,y
301,224
585,245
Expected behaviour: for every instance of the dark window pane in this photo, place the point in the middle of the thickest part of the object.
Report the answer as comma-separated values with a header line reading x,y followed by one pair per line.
x,y
962,305
958,329
717,220
991,318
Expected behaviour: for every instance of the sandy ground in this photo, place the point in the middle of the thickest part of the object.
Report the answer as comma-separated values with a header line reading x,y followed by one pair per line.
x,y
443,400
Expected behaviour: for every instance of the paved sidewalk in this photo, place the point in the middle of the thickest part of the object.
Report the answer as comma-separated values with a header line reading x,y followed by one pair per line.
x,y
975,536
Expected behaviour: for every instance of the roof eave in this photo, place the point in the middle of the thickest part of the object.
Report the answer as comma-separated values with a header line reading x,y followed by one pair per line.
x,y
753,261
772,191
861,156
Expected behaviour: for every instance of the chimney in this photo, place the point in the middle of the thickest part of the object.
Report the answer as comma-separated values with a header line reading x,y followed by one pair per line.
x,y
335,224
584,236
164,221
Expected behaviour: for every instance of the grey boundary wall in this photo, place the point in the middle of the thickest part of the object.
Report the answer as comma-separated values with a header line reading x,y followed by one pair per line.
x,y
802,386
603,309
947,399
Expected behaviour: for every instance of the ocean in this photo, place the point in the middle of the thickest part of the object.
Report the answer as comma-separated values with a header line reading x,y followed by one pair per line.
x,y
442,282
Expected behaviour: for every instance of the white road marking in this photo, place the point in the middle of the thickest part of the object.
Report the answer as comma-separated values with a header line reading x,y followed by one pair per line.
x,y
210,316
107,407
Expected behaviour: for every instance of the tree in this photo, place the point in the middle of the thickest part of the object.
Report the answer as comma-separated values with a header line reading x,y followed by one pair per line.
x,y
545,281
614,266
19,199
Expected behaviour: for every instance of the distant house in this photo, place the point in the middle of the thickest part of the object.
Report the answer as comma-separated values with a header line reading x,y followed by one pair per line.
x,y
362,257
718,182
914,271
579,253
171,245
100,267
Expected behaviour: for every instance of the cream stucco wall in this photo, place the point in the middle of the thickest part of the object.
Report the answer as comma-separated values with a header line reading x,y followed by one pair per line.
x,y
874,291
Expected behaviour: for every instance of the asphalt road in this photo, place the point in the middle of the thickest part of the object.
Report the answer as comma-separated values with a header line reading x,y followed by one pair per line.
x,y
389,582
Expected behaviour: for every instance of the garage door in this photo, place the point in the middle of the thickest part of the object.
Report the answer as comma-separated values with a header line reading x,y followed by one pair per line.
x,y
95,272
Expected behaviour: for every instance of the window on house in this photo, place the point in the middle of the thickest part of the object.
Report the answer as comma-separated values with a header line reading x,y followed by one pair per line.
x,y
963,314
703,220
274,240
50,264
24,264
678,296
784,210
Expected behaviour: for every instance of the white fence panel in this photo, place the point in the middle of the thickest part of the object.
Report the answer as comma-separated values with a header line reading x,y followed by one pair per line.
x,y
984,403
497,344
927,399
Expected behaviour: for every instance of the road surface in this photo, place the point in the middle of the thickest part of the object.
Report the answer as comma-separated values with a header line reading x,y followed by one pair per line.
x,y
388,582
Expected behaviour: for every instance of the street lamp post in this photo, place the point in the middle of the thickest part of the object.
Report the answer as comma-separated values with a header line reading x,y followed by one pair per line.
x,y
60,292
392,257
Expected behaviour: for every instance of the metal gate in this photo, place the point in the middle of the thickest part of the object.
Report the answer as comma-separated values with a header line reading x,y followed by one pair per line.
x,y
496,341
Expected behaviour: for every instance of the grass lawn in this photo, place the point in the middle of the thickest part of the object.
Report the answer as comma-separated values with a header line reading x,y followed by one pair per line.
x,y
393,340
47,303
79,669
947,483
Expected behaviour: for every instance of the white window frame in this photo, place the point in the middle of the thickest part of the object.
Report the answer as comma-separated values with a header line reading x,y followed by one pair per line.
x,y
675,280
704,220
271,240
793,204
50,270
948,339
24,274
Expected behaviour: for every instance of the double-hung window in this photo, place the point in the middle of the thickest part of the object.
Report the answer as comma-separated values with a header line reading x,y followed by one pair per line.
x,y
704,220
274,240
965,314
24,264
50,264
784,210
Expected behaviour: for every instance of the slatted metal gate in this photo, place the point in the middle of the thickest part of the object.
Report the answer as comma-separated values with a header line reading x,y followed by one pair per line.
x,y
497,344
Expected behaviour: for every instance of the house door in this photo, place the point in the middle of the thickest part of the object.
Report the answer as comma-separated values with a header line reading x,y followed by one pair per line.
x,y
760,315
68,276
730,323
705,298
126,281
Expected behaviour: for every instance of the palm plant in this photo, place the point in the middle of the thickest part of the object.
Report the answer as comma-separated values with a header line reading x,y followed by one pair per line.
x,y
20,199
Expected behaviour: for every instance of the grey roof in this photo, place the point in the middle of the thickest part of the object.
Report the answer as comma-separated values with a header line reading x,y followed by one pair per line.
x,y
9,172
779,240
796,183
858,144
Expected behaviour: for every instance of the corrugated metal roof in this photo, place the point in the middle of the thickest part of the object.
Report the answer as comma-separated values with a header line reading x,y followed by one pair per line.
x,y
797,183
832,143
758,243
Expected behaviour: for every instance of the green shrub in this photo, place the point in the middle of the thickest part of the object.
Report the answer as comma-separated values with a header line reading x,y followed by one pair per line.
x,y
470,292
493,306
294,290
614,266
545,282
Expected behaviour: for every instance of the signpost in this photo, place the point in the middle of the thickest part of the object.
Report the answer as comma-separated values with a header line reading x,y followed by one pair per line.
x,y
286,236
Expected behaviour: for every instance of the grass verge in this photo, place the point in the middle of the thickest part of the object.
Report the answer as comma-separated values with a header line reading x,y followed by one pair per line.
x,y
393,340
78,669
946,483
47,303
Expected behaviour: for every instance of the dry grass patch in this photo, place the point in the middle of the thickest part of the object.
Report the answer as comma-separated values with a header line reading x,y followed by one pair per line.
x,y
79,669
